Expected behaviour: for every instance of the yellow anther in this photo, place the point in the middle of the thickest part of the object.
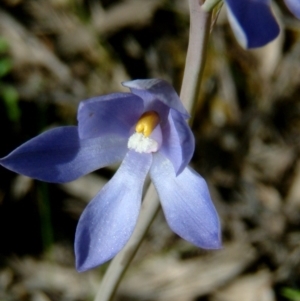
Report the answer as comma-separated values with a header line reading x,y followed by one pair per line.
x,y
147,123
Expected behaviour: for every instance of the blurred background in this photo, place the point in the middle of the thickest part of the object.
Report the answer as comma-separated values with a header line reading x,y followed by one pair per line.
x,y
55,53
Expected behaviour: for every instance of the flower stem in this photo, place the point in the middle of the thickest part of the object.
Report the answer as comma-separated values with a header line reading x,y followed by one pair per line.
x,y
199,32
200,21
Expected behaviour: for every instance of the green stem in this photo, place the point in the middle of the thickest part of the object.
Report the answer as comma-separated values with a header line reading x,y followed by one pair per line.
x,y
199,32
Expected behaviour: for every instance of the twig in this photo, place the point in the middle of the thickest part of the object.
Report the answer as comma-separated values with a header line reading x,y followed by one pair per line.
x,y
130,13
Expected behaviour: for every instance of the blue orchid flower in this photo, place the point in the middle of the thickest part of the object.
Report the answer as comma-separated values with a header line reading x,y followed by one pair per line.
x,y
253,22
146,130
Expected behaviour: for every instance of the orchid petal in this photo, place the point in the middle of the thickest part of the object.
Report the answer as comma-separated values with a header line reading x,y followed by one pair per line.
x,y
178,141
186,203
114,114
157,89
109,220
58,155
294,7
252,22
